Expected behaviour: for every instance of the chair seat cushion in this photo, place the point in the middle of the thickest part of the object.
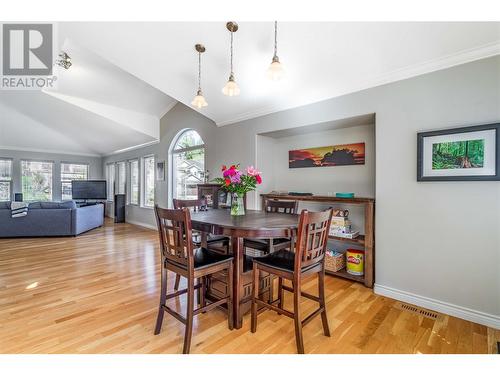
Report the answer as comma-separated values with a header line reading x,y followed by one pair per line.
x,y
211,238
282,259
263,244
204,258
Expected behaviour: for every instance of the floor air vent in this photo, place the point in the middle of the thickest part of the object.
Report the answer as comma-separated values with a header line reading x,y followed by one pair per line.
x,y
417,310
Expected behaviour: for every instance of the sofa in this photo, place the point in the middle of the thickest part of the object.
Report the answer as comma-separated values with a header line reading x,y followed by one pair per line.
x,y
50,219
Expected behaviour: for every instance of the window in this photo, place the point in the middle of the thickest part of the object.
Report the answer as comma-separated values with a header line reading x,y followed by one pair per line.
x,y
110,181
69,172
36,180
188,165
5,179
134,182
121,177
149,181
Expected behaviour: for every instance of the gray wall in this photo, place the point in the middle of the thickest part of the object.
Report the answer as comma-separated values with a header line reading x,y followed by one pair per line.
x,y
177,119
94,162
437,241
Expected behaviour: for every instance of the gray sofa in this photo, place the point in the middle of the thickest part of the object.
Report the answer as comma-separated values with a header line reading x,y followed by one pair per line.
x,y
50,219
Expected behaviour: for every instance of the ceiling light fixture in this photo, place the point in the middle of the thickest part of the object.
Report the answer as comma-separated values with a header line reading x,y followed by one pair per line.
x,y
231,88
275,71
64,61
199,100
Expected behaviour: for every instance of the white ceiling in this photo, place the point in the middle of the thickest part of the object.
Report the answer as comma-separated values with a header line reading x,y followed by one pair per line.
x,y
126,76
322,60
96,109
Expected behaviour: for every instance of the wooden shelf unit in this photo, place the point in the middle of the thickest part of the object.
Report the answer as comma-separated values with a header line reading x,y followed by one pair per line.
x,y
367,241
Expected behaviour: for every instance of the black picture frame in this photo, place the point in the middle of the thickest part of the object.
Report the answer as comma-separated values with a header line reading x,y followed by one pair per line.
x,y
466,129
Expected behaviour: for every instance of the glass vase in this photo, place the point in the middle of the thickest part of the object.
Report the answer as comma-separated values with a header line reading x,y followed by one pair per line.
x,y
237,205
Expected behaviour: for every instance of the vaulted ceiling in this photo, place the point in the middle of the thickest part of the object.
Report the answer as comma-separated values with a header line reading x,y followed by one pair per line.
x,y
125,76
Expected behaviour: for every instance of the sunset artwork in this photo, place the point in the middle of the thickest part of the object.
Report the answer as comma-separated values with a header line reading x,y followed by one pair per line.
x,y
327,156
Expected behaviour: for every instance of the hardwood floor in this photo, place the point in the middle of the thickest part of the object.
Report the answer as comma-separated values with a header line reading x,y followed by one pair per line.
x,y
98,293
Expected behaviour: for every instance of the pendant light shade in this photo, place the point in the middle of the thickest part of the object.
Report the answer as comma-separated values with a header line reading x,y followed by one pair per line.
x,y
231,88
275,72
199,100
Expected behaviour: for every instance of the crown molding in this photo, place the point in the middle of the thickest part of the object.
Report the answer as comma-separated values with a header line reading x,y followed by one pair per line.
x,y
45,151
445,62
121,151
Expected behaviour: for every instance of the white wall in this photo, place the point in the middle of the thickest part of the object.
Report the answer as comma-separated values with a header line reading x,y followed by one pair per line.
x,y
437,243
94,162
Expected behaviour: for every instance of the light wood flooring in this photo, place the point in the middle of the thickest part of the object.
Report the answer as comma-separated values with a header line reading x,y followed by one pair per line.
x,y
98,293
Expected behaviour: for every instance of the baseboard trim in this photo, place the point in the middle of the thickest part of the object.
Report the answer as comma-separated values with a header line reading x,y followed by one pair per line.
x,y
465,313
149,226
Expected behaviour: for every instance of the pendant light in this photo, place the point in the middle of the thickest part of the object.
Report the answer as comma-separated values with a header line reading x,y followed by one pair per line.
x,y
199,100
275,71
231,88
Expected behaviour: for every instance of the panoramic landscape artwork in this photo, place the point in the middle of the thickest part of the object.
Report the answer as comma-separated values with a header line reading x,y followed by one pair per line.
x,y
327,156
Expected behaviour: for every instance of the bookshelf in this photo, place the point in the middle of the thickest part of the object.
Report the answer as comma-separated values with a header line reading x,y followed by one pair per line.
x,y
366,241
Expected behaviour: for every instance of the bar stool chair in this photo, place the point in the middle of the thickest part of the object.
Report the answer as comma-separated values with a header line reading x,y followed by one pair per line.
x,y
179,255
309,258
212,240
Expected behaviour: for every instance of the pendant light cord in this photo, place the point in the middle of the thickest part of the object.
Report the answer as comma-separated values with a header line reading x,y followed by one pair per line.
x,y
232,53
199,71
275,38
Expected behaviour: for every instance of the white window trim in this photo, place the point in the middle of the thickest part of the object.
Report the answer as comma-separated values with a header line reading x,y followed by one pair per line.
x,y
10,181
173,151
112,198
129,182
38,161
142,174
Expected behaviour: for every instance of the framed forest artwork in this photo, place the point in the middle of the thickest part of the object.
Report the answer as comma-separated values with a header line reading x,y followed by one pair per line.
x,y
462,154
327,156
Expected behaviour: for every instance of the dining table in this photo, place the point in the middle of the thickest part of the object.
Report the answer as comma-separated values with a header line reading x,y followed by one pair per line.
x,y
253,224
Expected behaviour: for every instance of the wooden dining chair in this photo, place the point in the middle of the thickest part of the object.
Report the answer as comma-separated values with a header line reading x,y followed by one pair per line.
x,y
268,245
179,255
212,240
309,258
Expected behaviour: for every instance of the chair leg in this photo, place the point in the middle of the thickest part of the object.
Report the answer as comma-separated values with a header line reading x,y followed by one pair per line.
x,y
230,318
202,291
281,295
297,319
271,289
189,317
163,299
177,281
322,303
255,296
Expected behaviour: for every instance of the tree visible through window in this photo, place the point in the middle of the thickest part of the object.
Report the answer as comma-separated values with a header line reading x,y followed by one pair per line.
x,y
71,172
5,179
36,180
188,156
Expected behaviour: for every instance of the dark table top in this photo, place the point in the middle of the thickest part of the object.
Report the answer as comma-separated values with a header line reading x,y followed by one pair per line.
x,y
252,220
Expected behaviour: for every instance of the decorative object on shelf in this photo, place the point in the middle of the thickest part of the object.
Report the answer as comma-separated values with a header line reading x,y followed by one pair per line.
x,y
275,72
160,171
231,88
206,177
355,262
341,225
199,100
462,154
327,156
334,261
64,60
237,183
344,195
300,194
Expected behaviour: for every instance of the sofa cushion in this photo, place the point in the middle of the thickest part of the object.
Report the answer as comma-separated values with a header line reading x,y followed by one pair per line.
x,y
58,205
4,205
34,205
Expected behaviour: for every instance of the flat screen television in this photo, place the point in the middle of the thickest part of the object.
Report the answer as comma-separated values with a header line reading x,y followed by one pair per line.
x,y
88,189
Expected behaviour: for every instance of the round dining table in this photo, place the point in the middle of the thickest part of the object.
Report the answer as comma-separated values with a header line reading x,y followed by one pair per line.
x,y
254,224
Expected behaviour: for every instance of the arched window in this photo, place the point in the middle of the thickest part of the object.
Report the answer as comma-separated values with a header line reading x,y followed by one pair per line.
x,y
188,164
